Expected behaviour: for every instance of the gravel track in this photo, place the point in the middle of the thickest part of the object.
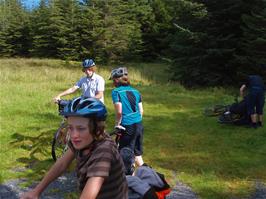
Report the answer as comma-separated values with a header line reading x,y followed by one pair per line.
x,y
67,184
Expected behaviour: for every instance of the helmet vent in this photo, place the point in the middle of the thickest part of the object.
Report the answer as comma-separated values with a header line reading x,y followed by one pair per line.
x,y
75,104
85,104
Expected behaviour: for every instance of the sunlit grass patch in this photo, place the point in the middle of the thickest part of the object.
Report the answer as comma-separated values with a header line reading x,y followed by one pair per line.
x,y
208,185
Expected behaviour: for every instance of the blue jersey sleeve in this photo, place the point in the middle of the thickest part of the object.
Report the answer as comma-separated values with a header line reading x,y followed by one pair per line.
x,y
115,97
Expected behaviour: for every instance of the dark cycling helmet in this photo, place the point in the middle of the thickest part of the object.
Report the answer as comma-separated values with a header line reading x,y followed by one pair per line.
x,y
88,63
85,107
118,72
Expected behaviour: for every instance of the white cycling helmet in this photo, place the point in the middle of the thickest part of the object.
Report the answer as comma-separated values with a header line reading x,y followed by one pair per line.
x,y
118,72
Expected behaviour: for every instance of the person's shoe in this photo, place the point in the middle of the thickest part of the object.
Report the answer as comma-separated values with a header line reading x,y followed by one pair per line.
x,y
259,124
253,125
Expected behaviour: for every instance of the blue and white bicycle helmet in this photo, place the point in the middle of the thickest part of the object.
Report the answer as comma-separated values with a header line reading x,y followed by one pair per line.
x,y
118,72
88,63
85,107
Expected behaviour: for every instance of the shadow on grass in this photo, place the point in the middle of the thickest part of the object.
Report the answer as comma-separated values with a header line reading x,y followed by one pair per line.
x,y
37,144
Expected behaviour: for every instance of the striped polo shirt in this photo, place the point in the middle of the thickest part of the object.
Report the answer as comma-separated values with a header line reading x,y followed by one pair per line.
x,y
105,161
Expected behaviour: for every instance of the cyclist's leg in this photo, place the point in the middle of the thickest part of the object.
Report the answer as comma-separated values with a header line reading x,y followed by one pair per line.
x,y
251,99
259,107
139,144
127,139
133,140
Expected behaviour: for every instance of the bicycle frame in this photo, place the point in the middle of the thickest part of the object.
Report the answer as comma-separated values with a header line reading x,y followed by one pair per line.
x,y
61,136
118,134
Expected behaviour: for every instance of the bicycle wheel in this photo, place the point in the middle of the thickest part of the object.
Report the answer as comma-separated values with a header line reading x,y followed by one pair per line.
x,y
215,110
229,118
59,145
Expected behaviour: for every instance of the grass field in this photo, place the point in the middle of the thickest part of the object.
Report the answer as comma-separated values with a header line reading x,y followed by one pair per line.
x,y
217,161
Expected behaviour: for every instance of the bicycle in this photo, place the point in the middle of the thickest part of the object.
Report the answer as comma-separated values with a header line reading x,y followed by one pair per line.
x,y
61,136
216,110
235,113
118,132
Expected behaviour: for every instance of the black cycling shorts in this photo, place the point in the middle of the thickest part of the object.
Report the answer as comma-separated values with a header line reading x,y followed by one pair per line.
x,y
133,139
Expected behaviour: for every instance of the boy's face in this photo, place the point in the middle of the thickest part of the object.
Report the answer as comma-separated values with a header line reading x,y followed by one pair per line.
x,y
78,128
89,71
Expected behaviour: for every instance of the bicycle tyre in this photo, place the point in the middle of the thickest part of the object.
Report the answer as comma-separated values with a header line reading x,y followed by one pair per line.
x,y
215,110
59,144
229,119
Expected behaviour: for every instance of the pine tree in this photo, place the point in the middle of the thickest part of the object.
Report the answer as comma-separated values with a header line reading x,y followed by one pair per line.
x,y
14,31
224,34
208,55
55,29
3,27
40,23
70,13
253,45
112,29
156,28
188,43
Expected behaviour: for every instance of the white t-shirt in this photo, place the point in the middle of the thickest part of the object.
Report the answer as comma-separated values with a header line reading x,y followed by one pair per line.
x,y
90,86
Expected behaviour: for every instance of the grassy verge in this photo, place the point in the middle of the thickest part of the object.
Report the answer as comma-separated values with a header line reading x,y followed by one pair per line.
x,y
217,161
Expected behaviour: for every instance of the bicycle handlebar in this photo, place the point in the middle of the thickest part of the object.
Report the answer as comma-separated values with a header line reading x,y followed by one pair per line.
x,y
118,131
61,104
120,127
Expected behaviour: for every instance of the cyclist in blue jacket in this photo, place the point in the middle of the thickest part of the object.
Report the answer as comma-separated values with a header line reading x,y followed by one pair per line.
x,y
255,98
129,110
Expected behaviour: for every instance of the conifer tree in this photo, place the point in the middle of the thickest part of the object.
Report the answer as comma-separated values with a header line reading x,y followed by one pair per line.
x,y
112,28
4,10
14,31
40,23
188,43
157,27
70,13
210,59
253,45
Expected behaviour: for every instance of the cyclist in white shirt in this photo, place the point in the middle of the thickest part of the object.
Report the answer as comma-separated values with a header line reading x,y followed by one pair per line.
x,y
92,85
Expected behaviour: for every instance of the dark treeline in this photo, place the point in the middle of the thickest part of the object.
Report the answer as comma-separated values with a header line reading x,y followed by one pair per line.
x,y
208,42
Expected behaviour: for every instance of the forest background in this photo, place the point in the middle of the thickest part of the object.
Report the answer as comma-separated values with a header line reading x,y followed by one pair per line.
x,y
206,42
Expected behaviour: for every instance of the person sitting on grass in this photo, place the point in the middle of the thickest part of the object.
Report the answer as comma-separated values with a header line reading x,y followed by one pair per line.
x,y
99,165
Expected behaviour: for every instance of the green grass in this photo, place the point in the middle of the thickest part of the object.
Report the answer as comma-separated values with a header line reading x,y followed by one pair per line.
x,y
217,161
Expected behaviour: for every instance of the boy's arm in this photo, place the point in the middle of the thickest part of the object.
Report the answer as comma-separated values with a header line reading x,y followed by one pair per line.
x,y
92,188
241,90
99,95
118,113
100,88
141,109
66,92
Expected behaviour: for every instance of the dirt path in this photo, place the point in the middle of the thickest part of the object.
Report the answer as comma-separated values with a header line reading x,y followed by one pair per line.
x,y
67,184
